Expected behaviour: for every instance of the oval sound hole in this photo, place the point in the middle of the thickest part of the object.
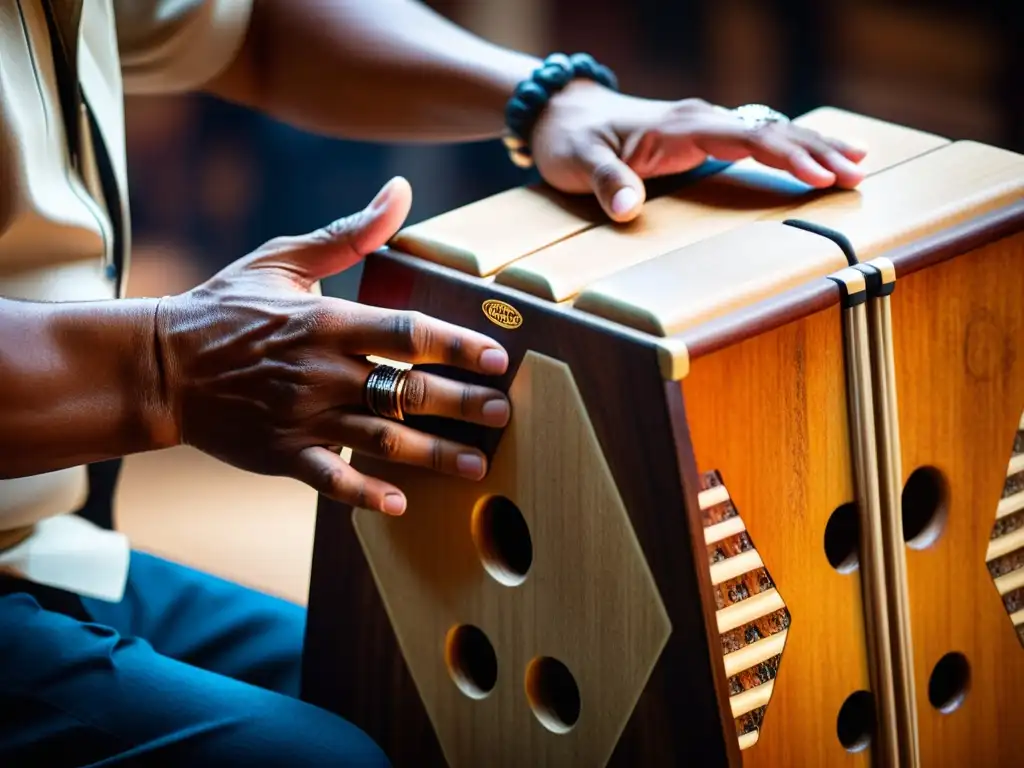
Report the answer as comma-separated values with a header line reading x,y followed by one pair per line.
x,y
553,694
503,541
855,725
949,681
842,538
472,662
924,507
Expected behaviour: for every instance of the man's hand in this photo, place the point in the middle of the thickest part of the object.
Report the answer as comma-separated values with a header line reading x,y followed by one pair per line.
x,y
264,374
592,139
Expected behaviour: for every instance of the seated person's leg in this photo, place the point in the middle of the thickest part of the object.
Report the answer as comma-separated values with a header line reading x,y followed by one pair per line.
x,y
75,692
209,622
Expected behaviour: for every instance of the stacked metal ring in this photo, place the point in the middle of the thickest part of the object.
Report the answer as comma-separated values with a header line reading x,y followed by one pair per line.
x,y
384,388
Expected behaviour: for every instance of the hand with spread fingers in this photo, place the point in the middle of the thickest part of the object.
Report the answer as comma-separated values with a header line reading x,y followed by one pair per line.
x,y
268,376
584,136
590,138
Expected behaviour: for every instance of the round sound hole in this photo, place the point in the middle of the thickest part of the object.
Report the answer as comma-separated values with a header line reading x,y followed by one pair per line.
x,y
855,725
472,662
842,539
553,694
949,682
924,507
503,541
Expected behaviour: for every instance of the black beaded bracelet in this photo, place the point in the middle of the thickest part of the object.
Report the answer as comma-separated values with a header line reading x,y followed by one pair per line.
x,y
533,94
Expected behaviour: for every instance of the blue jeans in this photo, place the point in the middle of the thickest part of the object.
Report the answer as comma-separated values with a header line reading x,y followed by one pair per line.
x,y
186,670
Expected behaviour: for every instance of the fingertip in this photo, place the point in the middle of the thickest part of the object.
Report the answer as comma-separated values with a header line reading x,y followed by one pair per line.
x,y
625,204
394,504
493,361
808,170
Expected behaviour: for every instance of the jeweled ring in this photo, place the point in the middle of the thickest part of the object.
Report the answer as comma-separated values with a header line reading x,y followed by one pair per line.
x,y
759,115
384,388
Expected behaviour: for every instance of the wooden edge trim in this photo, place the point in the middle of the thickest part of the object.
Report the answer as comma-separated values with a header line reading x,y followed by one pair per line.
x,y
672,352
764,316
951,242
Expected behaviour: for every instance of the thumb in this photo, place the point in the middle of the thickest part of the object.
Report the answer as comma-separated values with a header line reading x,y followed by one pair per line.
x,y
617,187
345,242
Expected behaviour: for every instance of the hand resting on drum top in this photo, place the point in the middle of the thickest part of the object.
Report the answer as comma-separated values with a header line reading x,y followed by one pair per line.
x,y
252,367
590,138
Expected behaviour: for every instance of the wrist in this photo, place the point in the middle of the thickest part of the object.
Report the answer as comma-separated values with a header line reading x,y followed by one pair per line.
x,y
110,345
531,97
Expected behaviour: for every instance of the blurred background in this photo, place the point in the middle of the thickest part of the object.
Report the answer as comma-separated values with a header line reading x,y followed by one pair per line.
x,y
210,181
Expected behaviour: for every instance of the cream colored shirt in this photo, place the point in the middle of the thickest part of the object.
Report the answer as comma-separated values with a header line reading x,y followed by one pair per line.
x,y
55,229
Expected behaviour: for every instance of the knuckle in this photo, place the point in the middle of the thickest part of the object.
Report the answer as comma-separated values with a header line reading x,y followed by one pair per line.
x,y
691,105
387,441
412,332
605,175
436,455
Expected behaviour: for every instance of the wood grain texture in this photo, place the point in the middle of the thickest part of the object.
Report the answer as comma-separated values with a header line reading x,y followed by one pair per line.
x,y
586,598
640,423
958,331
487,234
712,278
950,185
769,414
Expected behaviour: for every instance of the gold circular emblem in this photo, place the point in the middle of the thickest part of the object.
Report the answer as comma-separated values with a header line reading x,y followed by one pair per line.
x,y
500,313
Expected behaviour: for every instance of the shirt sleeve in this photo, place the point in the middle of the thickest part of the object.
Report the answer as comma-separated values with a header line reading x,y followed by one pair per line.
x,y
177,45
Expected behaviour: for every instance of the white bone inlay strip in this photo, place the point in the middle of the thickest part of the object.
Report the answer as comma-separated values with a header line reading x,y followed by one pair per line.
x,y
730,568
751,655
1004,545
1018,617
747,740
1021,425
745,611
1010,504
751,699
1016,465
1005,584
724,530
712,496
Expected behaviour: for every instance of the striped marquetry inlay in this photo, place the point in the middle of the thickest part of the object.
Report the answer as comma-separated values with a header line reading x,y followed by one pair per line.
x,y
752,617
1005,557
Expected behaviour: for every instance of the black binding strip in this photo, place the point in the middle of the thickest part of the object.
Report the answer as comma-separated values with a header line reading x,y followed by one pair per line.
x,y
849,299
836,237
873,277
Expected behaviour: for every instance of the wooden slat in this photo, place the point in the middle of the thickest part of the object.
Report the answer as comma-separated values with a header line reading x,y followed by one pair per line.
x,y
745,611
1016,465
1009,582
937,190
1004,545
751,699
482,237
747,740
724,530
751,655
705,280
737,565
1010,504
712,497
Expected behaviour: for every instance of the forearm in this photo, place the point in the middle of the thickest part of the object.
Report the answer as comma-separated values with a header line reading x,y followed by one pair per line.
x,y
79,383
386,70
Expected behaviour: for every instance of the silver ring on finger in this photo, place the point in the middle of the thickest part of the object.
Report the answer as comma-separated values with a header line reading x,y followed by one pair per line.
x,y
756,116
384,389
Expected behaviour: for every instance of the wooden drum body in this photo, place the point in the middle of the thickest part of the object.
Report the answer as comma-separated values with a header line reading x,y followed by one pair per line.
x,y
689,546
